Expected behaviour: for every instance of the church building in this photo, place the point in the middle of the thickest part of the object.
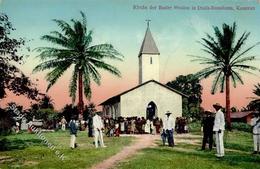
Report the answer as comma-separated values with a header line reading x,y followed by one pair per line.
x,y
149,98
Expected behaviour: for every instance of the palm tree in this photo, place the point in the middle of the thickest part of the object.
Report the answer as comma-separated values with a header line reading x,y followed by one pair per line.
x,y
255,103
75,50
226,59
256,91
91,107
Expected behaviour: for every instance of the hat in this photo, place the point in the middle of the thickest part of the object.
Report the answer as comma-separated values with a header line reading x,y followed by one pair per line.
x,y
168,112
217,105
98,113
208,111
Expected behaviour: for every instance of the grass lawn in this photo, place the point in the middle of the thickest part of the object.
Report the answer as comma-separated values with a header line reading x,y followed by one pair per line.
x,y
27,151
189,156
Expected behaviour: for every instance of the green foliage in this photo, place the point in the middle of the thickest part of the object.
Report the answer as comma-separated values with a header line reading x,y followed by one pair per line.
x,y
68,111
89,110
8,116
255,103
28,147
75,50
11,77
242,127
195,127
6,121
187,154
46,102
45,114
44,109
18,144
226,57
190,86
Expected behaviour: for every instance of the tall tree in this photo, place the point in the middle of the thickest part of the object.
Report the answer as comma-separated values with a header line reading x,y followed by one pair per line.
x,y
190,86
11,77
226,58
46,102
75,50
68,111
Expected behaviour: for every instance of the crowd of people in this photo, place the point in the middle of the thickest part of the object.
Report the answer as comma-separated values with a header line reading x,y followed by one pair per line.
x,y
181,125
132,125
140,125
97,125
212,123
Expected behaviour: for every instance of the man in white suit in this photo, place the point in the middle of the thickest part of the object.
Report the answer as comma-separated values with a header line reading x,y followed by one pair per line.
x,y
218,128
255,122
98,127
168,127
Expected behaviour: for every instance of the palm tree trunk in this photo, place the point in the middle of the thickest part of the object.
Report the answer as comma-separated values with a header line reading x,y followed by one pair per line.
x,y
81,103
228,119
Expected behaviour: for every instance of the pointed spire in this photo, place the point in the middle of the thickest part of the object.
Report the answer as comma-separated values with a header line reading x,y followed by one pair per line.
x,y
148,45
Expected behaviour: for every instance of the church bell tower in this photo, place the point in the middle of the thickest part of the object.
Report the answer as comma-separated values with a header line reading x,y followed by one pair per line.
x,y
148,58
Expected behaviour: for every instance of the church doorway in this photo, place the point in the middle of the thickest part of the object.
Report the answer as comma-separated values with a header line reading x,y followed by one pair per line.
x,y
151,111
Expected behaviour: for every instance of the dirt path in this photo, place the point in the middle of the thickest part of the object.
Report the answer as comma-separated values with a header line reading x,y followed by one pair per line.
x,y
140,142
188,139
145,141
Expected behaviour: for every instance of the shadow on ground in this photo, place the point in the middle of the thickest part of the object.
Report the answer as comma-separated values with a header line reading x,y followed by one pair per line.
x,y
17,144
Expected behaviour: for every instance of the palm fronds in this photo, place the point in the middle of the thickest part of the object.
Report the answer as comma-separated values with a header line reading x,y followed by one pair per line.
x,y
74,49
226,56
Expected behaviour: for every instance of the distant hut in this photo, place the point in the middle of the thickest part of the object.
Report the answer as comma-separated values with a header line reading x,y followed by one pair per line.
x,y
244,117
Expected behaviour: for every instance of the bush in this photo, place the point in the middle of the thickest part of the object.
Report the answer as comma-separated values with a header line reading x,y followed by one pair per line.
x,y
4,144
6,122
242,127
195,126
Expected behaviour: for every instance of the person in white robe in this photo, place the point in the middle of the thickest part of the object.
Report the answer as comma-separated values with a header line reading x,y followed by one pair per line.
x,y
63,123
255,123
147,126
98,133
168,127
218,128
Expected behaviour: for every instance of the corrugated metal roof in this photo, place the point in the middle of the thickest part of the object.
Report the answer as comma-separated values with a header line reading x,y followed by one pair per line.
x,y
148,45
236,115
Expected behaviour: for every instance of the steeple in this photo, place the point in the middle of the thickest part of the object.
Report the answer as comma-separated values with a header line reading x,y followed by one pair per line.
x,y
148,58
148,45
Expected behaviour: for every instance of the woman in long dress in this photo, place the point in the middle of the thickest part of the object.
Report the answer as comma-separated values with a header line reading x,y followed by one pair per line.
x,y
147,128
133,126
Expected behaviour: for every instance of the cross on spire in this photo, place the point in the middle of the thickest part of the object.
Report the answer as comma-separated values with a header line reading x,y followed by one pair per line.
x,y
148,45
148,22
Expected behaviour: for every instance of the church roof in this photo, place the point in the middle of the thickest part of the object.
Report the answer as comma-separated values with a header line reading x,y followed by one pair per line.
x,y
116,98
148,45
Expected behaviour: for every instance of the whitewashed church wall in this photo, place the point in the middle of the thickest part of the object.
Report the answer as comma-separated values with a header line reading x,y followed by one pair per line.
x,y
134,103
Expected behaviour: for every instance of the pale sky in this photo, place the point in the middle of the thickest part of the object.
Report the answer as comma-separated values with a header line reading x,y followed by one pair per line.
x,y
117,22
